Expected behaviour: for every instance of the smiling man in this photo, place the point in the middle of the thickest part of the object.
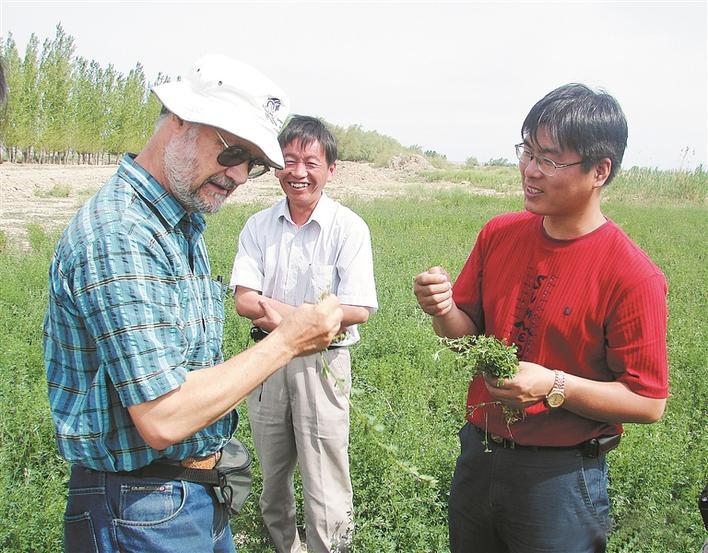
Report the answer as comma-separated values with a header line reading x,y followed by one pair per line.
x,y
586,309
294,253
141,398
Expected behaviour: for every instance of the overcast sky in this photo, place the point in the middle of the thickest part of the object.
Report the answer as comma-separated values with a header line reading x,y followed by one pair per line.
x,y
455,77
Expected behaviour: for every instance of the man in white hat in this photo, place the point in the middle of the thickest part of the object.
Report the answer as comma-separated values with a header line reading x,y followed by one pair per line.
x,y
138,386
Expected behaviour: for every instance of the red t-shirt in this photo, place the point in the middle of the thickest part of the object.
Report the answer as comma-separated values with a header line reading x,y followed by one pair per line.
x,y
594,307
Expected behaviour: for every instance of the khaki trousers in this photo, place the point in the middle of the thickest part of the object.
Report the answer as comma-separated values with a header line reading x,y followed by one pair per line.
x,y
299,416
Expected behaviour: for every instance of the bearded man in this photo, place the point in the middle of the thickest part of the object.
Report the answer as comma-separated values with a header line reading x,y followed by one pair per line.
x,y
133,331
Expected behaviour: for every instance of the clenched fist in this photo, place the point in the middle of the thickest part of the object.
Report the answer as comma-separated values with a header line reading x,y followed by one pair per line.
x,y
433,290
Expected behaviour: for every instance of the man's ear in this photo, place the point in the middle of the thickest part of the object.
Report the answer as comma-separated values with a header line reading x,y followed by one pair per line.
x,y
601,172
330,171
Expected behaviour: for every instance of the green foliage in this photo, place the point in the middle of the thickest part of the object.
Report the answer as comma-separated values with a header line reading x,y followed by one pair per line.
x,y
500,162
636,185
32,475
485,354
500,179
656,473
489,355
652,186
64,108
471,162
56,191
356,144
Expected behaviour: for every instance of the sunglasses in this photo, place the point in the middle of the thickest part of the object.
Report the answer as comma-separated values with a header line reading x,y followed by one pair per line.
x,y
231,156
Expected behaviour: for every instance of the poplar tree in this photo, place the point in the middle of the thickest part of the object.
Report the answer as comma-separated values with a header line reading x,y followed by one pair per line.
x,y
64,108
9,126
55,85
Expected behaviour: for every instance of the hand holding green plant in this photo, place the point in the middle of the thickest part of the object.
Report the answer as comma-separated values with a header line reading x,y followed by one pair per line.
x,y
491,356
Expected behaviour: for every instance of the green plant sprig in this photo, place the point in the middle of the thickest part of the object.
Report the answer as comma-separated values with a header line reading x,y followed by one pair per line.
x,y
372,427
491,356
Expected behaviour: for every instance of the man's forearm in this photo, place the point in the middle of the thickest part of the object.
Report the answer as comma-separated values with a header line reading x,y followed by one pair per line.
x,y
249,304
354,315
208,394
454,324
610,402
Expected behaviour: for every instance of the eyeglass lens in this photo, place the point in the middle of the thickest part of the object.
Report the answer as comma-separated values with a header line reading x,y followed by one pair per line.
x,y
235,155
545,165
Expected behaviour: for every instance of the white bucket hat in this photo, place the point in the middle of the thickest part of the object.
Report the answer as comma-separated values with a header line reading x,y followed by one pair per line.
x,y
231,95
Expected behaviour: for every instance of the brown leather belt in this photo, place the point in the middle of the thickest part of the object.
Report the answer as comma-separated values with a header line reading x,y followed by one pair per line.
x,y
201,463
192,469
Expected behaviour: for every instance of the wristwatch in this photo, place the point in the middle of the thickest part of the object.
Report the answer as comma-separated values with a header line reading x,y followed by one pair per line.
x,y
556,396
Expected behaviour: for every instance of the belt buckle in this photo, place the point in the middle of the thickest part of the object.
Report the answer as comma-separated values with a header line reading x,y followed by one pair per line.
x,y
497,439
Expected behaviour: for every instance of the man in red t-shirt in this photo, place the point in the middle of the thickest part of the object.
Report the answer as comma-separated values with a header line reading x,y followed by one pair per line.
x,y
586,308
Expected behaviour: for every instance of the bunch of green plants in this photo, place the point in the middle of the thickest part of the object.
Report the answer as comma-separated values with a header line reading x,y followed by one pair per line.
x,y
487,355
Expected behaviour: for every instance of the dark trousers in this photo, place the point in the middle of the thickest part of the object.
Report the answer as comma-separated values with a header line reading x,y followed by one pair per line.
x,y
526,501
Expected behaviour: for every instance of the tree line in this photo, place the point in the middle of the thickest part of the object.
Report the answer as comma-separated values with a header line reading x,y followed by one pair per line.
x,y
63,108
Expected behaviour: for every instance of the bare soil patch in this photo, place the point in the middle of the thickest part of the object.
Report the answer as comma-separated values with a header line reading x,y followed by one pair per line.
x,y
48,195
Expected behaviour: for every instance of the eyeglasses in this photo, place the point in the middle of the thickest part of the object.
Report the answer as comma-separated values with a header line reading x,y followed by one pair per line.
x,y
231,156
547,166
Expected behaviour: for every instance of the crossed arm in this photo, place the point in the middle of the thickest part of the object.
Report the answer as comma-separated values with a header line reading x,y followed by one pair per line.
x,y
267,313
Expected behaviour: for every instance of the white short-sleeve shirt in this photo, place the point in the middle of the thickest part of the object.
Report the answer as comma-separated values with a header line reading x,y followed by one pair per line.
x,y
331,252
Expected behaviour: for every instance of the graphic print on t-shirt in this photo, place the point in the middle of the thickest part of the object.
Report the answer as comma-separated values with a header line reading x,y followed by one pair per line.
x,y
530,306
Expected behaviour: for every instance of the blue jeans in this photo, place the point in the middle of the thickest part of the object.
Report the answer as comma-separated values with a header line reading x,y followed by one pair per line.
x,y
108,512
516,500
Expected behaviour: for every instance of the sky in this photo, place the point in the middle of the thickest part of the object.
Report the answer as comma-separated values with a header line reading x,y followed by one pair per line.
x,y
454,77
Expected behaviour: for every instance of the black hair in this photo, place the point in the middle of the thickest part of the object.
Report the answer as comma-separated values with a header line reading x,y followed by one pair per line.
x,y
307,130
581,119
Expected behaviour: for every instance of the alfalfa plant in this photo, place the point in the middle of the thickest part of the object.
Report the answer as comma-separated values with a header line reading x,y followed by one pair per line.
x,y
491,356
372,426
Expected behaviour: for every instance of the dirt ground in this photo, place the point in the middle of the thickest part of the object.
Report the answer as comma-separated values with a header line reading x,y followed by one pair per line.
x,y
48,195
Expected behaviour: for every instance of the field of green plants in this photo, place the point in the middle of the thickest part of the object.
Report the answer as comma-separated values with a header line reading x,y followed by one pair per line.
x,y
656,473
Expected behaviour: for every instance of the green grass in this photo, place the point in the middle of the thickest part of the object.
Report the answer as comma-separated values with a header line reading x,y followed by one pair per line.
x,y
651,186
500,179
656,473
636,185
56,191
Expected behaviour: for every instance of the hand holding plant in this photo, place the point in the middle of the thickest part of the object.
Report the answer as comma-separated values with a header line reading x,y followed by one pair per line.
x,y
491,356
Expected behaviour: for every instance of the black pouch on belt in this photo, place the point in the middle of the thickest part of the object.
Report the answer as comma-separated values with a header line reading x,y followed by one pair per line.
x,y
234,471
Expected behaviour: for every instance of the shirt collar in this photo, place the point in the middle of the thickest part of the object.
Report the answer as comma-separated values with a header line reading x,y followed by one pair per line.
x,y
322,214
163,203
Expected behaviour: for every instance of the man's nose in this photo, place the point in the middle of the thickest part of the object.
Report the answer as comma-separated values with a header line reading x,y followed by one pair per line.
x,y
535,171
238,173
299,169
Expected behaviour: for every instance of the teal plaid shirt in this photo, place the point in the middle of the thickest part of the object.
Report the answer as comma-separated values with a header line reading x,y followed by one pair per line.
x,y
132,309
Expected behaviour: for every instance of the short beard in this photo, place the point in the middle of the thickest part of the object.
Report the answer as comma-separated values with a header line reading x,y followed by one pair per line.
x,y
180,159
